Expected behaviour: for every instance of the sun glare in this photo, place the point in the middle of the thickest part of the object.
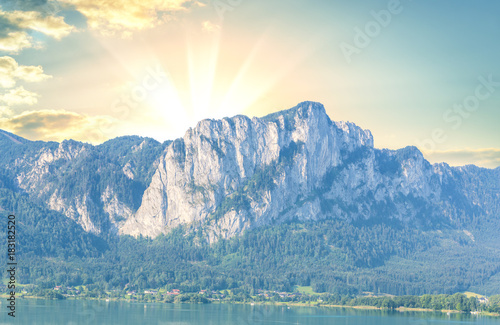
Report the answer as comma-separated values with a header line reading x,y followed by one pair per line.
x,y
210,81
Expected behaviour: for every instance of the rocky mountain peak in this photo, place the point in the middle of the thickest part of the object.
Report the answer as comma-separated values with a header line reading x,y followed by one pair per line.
x,y
226,176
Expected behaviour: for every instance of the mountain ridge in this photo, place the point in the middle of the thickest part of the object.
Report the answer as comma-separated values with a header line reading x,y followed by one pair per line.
x,y
293,198
238,173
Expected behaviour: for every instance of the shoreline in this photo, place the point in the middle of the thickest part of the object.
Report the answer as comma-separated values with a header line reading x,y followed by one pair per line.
x,y
282,304
359,307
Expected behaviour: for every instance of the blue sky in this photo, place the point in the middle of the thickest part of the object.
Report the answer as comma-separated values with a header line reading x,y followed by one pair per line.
x,y
421,73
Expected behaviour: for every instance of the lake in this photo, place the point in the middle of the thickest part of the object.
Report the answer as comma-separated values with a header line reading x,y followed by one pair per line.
x,y
73,312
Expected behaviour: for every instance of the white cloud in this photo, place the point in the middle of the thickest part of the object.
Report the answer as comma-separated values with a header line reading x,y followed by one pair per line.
x,y
10,71
58,125
14,42
53,26
210,27
5,111
15,25
112,16
19,96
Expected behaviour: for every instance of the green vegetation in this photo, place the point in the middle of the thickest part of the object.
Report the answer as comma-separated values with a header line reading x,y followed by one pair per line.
x,y
303,289
330,256
333,260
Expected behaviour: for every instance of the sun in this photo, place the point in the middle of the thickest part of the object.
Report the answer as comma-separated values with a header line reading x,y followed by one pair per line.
x,y
214,82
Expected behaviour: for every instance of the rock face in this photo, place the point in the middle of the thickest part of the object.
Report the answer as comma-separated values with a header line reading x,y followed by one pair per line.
x,y
97,186
238,173
226,176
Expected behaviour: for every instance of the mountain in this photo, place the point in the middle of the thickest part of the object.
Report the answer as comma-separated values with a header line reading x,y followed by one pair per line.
x,y
293,177
97,186
227,176
236,174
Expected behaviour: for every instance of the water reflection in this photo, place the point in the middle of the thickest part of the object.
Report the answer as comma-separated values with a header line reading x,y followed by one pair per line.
x,y
77,312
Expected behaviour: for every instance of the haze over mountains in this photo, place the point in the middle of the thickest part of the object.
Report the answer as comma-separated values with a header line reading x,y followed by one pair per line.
x,y
225,177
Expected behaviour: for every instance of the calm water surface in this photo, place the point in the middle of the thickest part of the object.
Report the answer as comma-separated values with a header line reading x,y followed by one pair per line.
x,y
72,312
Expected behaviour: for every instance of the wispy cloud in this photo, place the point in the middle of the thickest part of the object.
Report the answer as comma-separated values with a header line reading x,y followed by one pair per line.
x,y
210,27
53,26
488,157
13,42
56,125
25,4
10,71
19,96
114,16
15,27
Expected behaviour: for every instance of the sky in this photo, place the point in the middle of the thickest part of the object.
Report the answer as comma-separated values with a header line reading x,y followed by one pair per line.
x,y
414,72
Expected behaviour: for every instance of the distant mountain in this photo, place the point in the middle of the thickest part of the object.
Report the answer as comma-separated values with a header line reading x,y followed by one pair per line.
x,y
367,216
